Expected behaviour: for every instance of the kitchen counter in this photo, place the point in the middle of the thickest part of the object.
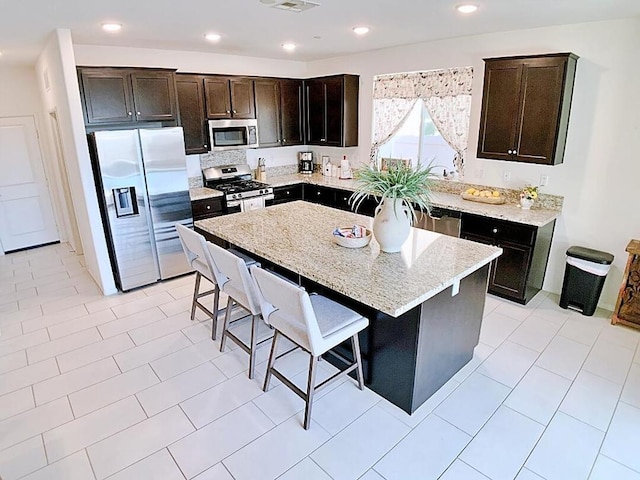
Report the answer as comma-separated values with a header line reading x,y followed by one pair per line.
x,y
298,237
424,304
202,193
509,211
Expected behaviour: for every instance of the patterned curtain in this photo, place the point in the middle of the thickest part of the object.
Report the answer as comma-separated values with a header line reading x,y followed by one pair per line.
x,y
389,115
447,97
450,115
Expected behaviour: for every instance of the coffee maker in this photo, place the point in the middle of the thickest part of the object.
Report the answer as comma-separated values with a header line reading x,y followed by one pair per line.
x,y
305,162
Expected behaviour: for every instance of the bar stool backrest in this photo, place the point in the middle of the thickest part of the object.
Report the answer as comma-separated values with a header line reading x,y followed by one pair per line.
x,y
234,275
288,309
194,248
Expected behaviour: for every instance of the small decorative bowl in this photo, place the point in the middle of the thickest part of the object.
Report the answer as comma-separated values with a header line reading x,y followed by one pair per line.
x,y
353,242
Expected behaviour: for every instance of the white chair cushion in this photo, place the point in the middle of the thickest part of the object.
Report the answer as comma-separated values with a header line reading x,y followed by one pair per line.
x,y
246,258
331,315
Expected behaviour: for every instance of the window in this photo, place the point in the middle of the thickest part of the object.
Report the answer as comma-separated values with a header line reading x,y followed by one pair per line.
x,y
418,139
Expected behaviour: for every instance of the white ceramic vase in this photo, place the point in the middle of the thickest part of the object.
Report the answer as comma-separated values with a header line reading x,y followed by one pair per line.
x,y
526,203
392,224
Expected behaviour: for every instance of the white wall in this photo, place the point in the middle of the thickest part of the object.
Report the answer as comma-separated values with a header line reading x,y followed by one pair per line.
x,y
599,176
57,62
194,62
19,97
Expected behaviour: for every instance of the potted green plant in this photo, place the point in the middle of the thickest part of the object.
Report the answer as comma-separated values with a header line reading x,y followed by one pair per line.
x,y
400,189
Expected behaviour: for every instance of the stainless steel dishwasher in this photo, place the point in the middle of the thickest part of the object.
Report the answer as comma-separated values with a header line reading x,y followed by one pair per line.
x,y
440,220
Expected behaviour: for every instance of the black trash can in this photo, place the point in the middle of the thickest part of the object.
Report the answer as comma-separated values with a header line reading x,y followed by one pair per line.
x,y
584,276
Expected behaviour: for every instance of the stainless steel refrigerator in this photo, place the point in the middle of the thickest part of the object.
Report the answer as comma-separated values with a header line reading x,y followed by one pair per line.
x,y
143,189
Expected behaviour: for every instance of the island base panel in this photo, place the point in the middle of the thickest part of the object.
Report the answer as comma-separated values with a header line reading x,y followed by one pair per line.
x,y
449,332
406,359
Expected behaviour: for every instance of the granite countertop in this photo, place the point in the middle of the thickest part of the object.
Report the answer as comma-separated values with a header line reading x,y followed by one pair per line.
x,y
508,211
298,236
202,193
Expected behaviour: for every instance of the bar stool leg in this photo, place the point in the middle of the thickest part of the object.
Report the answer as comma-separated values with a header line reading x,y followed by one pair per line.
x,y
216,306
227,317
272,360
355,343
195,295
254,341
310,390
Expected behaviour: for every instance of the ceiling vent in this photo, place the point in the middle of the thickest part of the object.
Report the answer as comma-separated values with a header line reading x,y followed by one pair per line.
x,y
296,6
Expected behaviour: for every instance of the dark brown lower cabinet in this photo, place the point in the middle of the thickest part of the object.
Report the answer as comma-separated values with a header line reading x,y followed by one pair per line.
x,y
206,208
519,272
287,193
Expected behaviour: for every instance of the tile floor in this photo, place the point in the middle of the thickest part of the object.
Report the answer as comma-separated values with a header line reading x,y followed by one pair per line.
x,y
127,387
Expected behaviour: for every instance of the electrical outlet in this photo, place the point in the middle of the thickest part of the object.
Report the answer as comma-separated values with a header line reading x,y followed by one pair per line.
x,y
506,175
544,180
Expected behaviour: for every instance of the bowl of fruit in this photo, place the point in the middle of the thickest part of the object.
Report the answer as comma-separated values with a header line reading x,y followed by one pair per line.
x,y
483,196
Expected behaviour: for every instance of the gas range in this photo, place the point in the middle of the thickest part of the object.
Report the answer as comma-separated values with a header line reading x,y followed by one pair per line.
x,y
241,192
237,190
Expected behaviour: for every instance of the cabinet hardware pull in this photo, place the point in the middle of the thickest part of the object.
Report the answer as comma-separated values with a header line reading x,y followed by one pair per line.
x,y
208,207
235,111
228,111
205,145
137,113
130,113
509,152
495,230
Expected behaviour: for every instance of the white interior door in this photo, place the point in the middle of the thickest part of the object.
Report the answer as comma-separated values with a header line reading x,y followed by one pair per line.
x,y
26,215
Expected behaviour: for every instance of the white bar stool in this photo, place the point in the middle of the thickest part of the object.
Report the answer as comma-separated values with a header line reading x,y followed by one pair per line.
x,y
314,323
232,275
194,246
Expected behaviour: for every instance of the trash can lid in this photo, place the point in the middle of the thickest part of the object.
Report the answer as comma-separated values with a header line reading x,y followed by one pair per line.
x,y
590,255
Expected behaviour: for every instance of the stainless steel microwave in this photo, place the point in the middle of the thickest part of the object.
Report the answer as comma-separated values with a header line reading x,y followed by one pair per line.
x,y
233,134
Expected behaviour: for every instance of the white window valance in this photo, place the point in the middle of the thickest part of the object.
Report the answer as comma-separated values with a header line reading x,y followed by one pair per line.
x,y
434,83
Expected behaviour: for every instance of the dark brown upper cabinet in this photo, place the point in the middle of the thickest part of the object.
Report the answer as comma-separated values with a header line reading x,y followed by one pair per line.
x,y
525,108
279,111
292,111
190,90
229,97
332,110
127,95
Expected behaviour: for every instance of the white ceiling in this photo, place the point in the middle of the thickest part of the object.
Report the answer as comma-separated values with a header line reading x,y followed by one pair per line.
x,y
251,28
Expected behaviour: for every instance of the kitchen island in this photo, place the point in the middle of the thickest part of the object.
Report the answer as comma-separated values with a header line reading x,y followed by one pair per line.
x,y
424,304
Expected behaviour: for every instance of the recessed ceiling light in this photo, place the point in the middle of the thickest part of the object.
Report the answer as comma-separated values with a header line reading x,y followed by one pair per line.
x,y
467,8
213,37
111,27
360,30
289,47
